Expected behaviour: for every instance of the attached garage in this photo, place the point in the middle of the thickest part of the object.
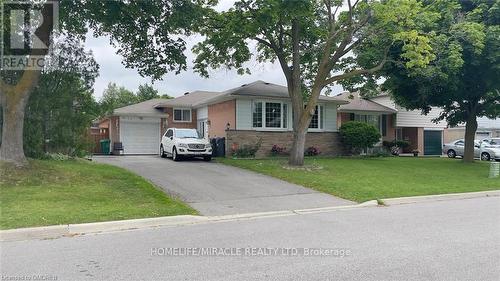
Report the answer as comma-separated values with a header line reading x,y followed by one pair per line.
x,y
136,129
140,135
433,142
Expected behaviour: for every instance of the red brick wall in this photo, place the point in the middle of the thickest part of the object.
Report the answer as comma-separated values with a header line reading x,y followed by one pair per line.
x,y
172,124
342,117
114,131
328,143
391,129
219,115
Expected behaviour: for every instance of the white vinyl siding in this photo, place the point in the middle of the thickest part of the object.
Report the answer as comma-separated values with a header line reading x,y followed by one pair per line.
x,y
202,113
412,118
330,118
243,114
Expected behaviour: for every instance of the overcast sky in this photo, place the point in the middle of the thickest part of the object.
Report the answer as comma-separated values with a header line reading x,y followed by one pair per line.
x,y
112,70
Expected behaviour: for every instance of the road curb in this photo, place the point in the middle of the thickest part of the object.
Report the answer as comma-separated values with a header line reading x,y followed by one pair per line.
x,y
44,232
439,197
371,203
57,231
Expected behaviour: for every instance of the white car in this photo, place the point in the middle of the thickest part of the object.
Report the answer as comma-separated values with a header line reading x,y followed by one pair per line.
x,y
180,143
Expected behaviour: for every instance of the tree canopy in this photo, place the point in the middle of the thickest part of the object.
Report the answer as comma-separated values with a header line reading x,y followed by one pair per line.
x,y
463,78
317,44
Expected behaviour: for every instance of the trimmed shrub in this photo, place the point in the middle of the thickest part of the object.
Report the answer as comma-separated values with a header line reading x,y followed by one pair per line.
x,y
246,151
278,150
312,151
359,135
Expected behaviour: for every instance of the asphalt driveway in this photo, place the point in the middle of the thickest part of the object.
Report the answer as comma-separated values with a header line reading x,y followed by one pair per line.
x,y
217,189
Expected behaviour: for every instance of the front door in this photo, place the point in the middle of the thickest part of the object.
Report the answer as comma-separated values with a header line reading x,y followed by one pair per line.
x,y
202,128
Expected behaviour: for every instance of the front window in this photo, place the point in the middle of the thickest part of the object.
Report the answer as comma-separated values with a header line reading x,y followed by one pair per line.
x,y
374,120
272,115
187,133
257,115
182,115
317,118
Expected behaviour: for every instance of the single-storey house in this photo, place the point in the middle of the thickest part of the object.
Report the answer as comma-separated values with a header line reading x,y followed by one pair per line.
x,y
395,122
258,112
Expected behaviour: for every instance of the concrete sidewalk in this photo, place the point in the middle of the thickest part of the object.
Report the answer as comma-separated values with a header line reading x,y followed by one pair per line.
x,y
216,189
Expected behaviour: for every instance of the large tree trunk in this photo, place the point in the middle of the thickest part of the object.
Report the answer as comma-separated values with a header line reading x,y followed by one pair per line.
x,y
470,134
297,152
14,100
295,91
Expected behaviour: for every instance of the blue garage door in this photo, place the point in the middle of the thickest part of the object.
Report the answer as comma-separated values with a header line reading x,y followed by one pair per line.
x,y
433,142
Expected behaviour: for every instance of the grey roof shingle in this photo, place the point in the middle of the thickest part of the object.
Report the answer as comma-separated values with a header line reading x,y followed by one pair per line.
x,y
191,99
357,103
145,108
260,88
255,89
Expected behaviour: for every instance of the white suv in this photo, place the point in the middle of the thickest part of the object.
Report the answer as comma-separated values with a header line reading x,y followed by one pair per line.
x,y
180,143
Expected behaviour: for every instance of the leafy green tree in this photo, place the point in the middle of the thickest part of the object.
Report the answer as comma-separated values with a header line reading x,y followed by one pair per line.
x,y
115,96
62,106
317,44
359,135
146,92
464,77
166,96
148,34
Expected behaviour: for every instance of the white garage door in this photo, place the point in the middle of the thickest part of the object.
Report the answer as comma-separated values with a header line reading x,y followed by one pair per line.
x,y
140,136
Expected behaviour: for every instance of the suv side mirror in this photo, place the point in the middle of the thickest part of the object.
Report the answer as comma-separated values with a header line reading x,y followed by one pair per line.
x,y
171,138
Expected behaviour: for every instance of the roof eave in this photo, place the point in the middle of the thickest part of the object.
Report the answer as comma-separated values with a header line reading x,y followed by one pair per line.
x,y
366,110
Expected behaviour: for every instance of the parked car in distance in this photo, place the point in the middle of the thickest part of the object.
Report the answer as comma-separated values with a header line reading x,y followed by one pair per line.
x,y
490,149
456,148
486,149
179,143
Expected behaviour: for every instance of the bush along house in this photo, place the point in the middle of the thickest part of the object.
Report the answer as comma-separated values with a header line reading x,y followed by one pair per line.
x,y
424,136
253,118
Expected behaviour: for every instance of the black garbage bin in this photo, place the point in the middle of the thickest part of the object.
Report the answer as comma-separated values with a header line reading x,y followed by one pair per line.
x,y
221,147
213,142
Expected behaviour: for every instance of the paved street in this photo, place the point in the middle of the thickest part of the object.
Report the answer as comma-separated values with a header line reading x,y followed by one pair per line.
x,y
445,240
216,189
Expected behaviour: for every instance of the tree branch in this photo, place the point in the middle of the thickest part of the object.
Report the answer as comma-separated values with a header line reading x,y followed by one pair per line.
x,y
354,73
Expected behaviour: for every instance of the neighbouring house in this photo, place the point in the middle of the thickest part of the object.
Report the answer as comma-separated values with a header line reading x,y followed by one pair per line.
x,y
486,128
138,127
395,122
253,113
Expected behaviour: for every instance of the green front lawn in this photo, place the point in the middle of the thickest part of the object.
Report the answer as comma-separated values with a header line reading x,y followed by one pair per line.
x,y
362,179
62,192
